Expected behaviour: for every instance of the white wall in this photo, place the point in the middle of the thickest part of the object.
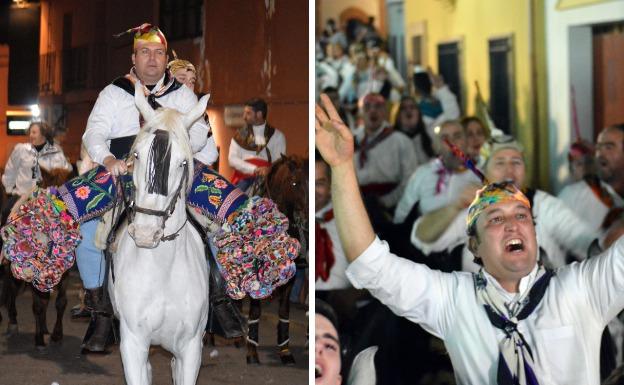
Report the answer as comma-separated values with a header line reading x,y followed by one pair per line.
x,y
559,53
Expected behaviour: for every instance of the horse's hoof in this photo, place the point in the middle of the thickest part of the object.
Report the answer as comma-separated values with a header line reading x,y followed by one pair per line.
x,y
56,337
80,313
287,358
253,360
12,330
41,349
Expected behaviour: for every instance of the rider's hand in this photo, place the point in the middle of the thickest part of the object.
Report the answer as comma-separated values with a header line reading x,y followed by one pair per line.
x,y
115,166
261,171
333,138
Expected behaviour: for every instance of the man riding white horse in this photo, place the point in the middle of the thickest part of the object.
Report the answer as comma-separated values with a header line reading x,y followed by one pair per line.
x,y
111,128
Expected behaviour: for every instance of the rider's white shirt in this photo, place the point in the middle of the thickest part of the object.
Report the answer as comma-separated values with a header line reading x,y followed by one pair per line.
x,y
115,115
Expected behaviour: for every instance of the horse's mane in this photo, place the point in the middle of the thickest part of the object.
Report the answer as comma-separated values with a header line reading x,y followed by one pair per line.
x,y
171,121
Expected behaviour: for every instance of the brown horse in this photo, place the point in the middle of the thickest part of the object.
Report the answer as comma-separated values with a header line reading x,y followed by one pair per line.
x,y
286,184
12,285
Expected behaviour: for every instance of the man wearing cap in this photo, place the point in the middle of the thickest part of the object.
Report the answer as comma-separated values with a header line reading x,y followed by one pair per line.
x,y
558,228
440,181
384,158
110,132
256,146
513,322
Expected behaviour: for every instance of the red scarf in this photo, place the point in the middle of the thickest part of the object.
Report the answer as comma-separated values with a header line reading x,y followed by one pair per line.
x,y
325,258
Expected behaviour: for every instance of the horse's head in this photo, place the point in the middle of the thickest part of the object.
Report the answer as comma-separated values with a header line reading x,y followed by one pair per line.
x,y
163,167
288,184
54,177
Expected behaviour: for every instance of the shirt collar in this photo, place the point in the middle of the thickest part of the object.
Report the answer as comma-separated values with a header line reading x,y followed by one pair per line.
x,y
321,212
378,131
259,129
526,283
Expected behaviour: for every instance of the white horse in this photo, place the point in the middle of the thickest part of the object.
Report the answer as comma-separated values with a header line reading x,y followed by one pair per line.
x,y
160,287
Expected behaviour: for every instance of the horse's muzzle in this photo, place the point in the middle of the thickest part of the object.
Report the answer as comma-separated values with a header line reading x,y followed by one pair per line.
x,y
145,236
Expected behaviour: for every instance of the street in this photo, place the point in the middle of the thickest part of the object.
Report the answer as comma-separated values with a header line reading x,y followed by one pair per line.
x,y
22,364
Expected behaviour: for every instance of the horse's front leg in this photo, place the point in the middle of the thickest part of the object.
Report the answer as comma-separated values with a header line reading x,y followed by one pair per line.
x,y
134,351
185,366
253,334
40,308
61,304
283,325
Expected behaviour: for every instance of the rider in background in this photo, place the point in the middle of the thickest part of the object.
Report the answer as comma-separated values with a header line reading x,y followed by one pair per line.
x,y
255,146
23,169
184,72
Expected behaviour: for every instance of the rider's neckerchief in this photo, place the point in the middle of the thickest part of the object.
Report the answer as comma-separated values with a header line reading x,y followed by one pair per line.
x,y
120,147
515,360
245,138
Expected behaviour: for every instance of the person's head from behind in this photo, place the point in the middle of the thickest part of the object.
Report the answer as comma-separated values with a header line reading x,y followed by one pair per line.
x,y
505,161
322,186
39,133
422,82
374,111
501,232
255,112
476,135
327,346
452,131
610,154
581,160
150,53
334,96
184,72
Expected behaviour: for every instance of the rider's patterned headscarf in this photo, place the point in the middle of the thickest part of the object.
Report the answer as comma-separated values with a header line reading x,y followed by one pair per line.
x,y
492,194
147,33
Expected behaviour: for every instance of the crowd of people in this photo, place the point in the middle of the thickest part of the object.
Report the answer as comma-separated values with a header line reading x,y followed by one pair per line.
x,y
418,164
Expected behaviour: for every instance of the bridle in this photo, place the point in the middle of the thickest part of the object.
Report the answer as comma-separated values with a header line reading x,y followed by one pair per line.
x,y
165,214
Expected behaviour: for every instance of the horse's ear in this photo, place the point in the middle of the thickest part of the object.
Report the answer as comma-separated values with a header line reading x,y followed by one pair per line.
x,y
141,102
197,111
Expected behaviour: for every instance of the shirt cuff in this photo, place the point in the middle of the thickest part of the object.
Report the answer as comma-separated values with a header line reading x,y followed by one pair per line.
x,y
365,269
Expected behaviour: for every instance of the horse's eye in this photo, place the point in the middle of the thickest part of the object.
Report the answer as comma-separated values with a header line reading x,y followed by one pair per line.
x,y
183,164
136,155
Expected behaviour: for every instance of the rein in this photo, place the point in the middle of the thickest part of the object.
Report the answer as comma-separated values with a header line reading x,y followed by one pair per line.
x,y
163,214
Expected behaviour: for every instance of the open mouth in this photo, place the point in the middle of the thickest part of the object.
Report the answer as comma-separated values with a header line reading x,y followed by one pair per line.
x,y
318,372
514,245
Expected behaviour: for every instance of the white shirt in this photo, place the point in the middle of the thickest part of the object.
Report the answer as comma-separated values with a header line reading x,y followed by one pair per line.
x,y
390,161
564,331
238,155
558,230
115,115
209,153
337,277
421,187
582,200
18,173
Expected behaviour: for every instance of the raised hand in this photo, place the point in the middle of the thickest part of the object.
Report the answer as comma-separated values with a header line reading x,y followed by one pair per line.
x,y
333,138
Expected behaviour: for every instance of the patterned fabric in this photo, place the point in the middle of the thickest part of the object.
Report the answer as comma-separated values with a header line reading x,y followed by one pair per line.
x,y
515,361
492,194
213,196
257,255
39,240
91,194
